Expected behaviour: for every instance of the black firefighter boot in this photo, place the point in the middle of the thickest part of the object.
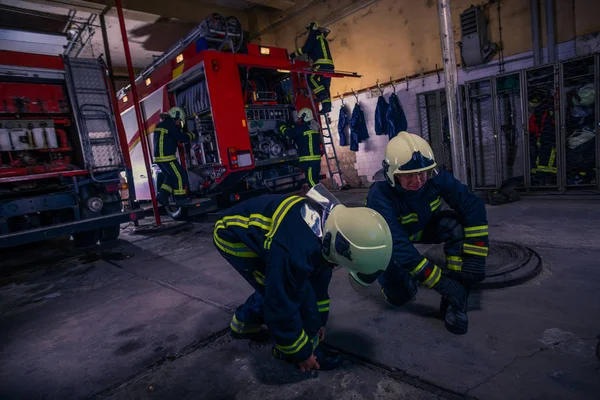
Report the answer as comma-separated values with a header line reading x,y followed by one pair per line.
x,y
327,360
453,305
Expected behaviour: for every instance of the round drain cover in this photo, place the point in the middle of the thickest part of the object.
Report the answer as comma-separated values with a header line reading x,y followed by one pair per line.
x,y
508,264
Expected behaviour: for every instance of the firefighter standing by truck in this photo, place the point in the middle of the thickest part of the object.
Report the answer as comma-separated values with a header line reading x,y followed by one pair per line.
x,y
410,202
285,247
317,49
308,139
167,134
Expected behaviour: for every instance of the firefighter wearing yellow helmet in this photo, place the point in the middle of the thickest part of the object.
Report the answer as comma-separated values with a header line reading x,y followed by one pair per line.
x,y
305,132
167,134
285,247
316,48
410,200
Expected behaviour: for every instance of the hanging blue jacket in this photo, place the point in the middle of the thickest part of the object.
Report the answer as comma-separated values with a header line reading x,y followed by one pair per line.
x,y
343,122
381,123
395,117
407,212
270,229
358,128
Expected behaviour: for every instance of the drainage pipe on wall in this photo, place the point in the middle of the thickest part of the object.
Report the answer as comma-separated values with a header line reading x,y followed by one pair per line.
x,y
457,138
550,35
535,32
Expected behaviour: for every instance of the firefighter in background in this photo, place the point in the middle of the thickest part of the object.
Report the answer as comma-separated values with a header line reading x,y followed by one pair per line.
x,y
542,137
167,134
285,247
317,49
410,201
308,139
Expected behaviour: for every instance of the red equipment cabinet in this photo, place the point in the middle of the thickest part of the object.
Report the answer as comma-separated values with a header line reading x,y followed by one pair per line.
x,y
61,154
234,102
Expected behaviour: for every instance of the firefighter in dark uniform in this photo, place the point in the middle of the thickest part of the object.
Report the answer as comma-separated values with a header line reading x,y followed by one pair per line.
x,y
167,134
410,201
285,247
308,141
317,49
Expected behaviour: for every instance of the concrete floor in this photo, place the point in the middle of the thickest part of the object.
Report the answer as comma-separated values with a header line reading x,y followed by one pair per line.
x,y
147,317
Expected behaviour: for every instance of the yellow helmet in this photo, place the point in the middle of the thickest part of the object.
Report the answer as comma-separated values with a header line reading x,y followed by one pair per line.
x,y
306,114
407,153
359,239
178,113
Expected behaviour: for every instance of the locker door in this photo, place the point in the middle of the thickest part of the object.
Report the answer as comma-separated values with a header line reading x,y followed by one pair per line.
x,y
578,122
543,126
481,136
510,129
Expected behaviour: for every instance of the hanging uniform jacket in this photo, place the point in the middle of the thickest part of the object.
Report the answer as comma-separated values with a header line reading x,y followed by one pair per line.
x,y
542,127
408,212
343,122
381,123
317,49
166,137
358,128
271,229
307,140
395,117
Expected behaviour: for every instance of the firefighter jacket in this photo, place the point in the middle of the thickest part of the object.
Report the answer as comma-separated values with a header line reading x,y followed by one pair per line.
x,y
307,140
317,49
166,137
343,122
396,118
358,128
543,135
271,228
408,212
381,123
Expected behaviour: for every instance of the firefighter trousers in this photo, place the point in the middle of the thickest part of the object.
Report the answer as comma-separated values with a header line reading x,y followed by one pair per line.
x,y
397,283
320,85
249,317
312,172
175,178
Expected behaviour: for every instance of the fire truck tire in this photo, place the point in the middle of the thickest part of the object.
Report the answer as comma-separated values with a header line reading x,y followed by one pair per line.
x,y
87,238
177,213
110,233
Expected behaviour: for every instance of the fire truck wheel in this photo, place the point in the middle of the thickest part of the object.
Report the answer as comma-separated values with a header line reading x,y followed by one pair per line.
x,y
110,233
177,213
87,238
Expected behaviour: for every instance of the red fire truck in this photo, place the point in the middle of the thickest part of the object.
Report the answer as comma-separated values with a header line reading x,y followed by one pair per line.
x,y
61,155
234,94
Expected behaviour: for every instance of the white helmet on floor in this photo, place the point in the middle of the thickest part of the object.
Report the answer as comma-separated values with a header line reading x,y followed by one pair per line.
x,y
359,239
305,115
407,153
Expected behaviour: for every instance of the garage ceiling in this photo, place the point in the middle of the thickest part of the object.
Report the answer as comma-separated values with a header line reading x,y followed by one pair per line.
x,y
152,25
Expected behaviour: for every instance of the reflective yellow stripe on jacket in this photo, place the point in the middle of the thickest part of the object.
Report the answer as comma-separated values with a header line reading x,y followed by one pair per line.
x,y
278,216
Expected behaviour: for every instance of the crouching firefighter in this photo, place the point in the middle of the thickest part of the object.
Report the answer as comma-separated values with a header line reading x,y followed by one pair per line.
x,y
410,201
308,140
167,134
285,247
317,49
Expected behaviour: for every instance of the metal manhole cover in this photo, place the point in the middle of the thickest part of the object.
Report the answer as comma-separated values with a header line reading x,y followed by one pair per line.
x,y
508,264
